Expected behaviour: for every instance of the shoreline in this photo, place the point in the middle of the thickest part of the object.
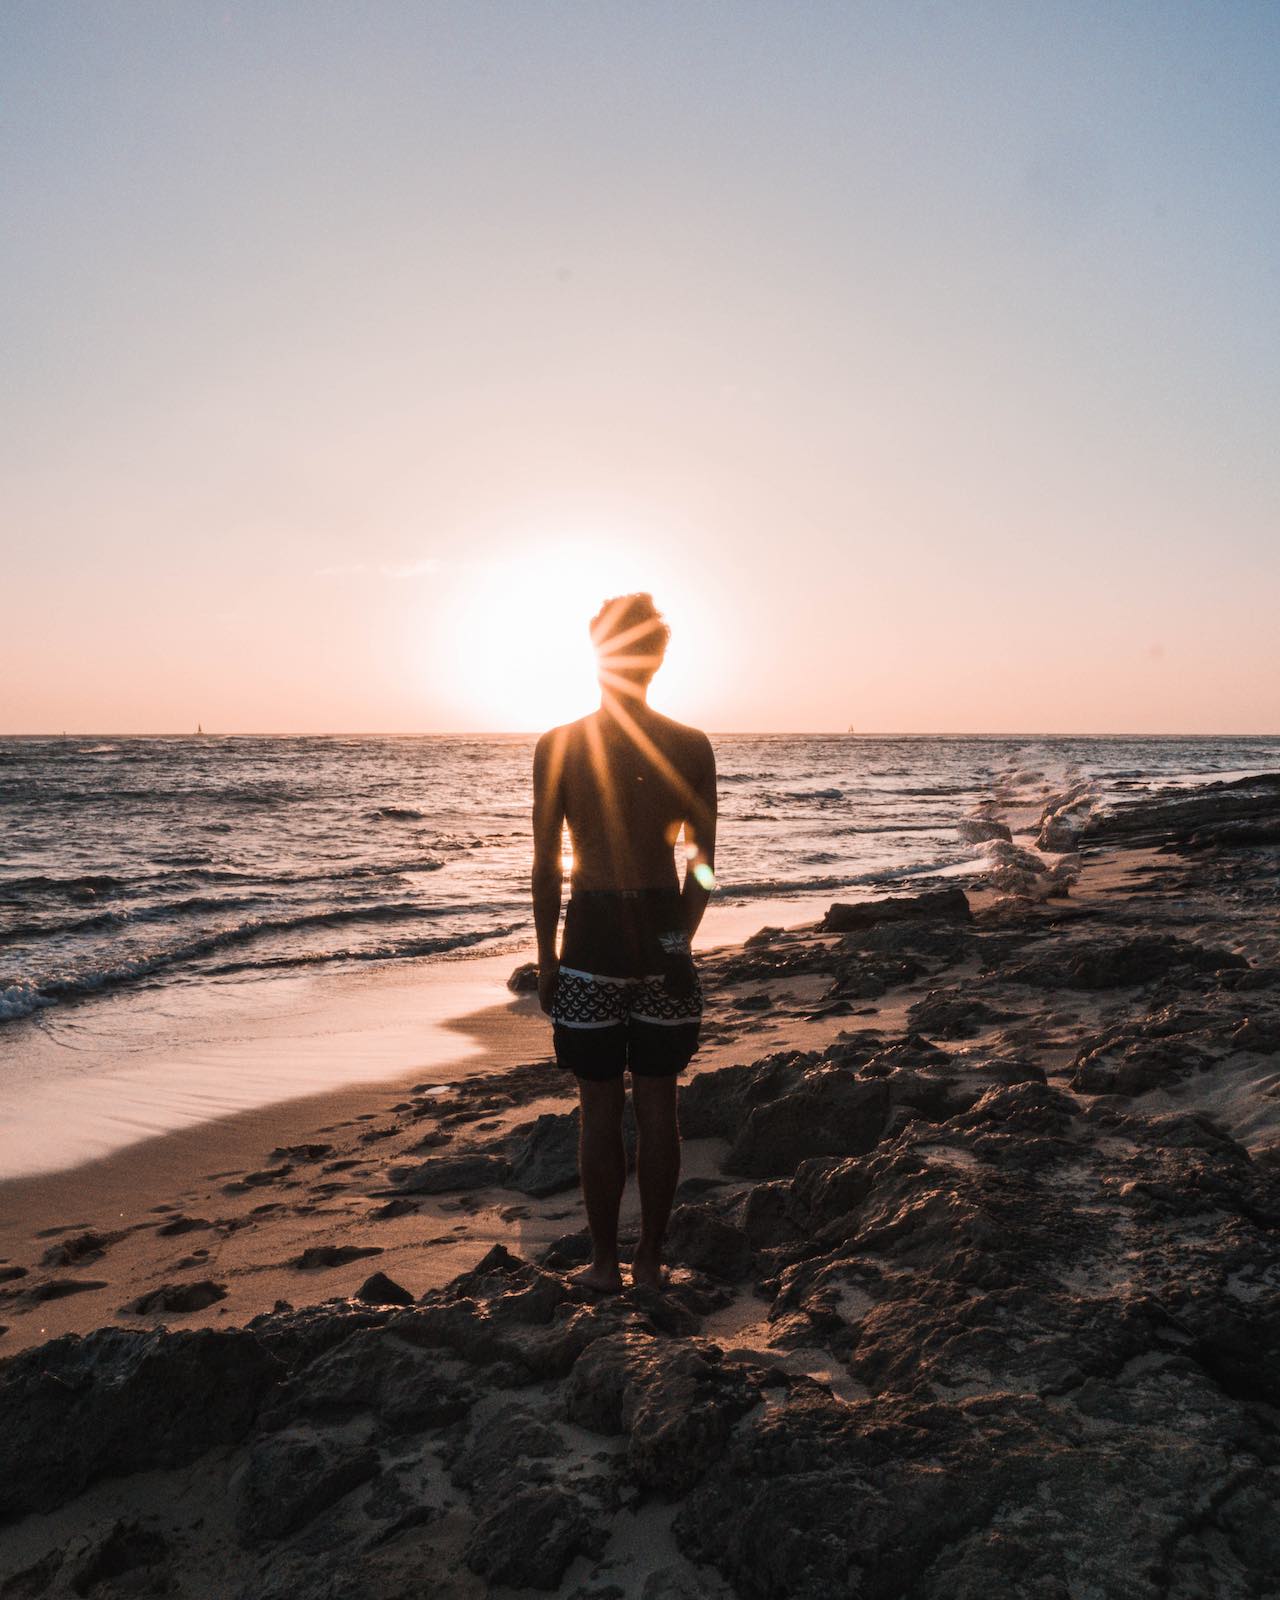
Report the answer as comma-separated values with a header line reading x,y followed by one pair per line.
x,y
980,1197
333,1033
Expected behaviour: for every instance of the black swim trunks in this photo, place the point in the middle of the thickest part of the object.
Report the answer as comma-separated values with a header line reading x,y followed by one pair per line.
x,y
628,996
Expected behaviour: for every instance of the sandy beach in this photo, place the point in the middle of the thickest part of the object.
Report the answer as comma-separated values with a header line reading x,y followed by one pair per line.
x,y
975,1286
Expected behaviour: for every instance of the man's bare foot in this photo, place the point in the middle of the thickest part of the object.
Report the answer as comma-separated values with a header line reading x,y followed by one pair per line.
x,y
646,1273
599,1279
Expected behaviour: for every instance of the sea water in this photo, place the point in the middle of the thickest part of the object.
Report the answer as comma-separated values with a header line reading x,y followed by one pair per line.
x,y
141,863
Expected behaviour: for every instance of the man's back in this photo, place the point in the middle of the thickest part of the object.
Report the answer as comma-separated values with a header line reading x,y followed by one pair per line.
x,y
629,780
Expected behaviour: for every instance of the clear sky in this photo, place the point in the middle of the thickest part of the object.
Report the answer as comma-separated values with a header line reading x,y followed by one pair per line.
x,y
922,358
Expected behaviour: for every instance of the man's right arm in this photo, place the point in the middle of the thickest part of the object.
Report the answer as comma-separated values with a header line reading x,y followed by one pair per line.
x,y
548,873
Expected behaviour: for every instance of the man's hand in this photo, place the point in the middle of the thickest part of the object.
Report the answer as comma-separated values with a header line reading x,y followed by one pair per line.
x,y
548,975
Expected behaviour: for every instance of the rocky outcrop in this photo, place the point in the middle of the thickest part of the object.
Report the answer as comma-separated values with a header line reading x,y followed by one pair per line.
x,y
938,904
1180,815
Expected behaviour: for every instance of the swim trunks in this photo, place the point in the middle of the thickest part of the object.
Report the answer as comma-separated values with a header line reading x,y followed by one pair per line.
x,y
627,997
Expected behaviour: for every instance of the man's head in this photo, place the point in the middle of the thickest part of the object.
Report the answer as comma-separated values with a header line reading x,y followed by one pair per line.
x,y
630,636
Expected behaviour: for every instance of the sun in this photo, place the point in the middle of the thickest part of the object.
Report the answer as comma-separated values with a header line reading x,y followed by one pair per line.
x,y
510,637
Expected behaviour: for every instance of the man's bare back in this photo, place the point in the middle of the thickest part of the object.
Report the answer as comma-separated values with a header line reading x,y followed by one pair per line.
x,y
627,788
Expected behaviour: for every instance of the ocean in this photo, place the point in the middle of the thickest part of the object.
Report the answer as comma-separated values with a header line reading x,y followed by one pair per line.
x,y
138,863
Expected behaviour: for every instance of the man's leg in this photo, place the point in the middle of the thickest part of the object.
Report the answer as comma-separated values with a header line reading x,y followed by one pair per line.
x,y
602,1165
657,1169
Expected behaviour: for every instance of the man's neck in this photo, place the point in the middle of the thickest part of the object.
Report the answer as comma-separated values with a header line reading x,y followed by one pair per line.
x,y
631,702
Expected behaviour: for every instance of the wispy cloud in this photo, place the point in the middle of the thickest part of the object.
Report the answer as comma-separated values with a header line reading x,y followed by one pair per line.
x,y
386,569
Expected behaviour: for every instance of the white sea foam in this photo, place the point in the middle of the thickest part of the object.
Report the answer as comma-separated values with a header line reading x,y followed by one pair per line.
x,y
20,1000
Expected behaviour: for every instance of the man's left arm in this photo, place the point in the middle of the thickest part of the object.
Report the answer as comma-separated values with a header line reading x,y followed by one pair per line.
x,y
548,872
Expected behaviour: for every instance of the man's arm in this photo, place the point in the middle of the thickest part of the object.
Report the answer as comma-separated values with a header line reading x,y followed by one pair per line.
x,y
700,839
548,873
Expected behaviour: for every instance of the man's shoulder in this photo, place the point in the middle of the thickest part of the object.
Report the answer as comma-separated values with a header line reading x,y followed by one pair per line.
x,y
689,738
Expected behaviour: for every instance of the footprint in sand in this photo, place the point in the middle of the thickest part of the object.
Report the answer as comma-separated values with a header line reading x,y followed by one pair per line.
x,y
83,1248
332,1255
60,1288
175,1297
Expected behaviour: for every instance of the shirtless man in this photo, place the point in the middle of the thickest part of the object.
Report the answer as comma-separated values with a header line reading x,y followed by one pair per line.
x,y
623,994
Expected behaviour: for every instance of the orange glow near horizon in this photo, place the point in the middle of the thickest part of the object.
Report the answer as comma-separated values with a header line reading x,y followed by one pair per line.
x,y
513,642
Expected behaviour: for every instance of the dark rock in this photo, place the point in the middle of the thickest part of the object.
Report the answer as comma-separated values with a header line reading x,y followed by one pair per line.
x,y
677,1402
529,1539
952,1016
120,1401
762,937
12,1274
379,1290
716,1104
832,1113
701,1239
450,1174
176,1297
395,1208
939,904
316,1256
1258,1034
291,1477
500,1450
375,1370
544,1154
1107,965
524,980
301,1152
130,1551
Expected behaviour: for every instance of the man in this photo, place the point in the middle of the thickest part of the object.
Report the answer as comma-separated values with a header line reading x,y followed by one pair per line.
x,y
623,994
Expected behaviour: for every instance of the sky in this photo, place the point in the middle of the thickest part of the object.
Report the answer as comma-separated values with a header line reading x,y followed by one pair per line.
x,y
922,360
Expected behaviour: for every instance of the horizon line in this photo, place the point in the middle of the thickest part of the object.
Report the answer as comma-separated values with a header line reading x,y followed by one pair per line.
x,y
732,733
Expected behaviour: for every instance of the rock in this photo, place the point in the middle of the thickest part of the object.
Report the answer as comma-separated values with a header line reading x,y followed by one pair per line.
x,y
379,1290
528,1540
376,1370
831,1113
1258,1034
301,1152
974,830
677,1402
1183,813
176,1297
701,1239
139,1555
450,1174
501,1449
1103,964
952,1016
939,904
715,1104
120,1401
544,1153
317,1256
291,1477
763,936
524,980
